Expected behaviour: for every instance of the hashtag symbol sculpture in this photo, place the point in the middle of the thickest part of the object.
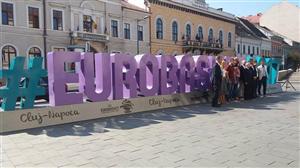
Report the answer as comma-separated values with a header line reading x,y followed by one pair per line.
x,y
29,90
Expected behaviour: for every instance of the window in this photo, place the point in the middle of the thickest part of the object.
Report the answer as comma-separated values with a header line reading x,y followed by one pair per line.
x,y
7,14
175,31
257,51
159,29
34,52
229,40
200,33
188,31
8,52
127,31
33,15
87,23
59,49
249,52
244,49
210,35
221,37
140,33
238,49
114,28
57,20
253,50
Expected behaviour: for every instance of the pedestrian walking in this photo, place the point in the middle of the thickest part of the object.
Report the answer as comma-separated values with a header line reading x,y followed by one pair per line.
x,y
216,81
262,77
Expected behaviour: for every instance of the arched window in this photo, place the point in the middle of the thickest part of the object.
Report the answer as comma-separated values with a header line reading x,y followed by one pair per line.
x,y
8,52
210,35
221,37
159,28
200,33
188,31
174,31
34,52
229,40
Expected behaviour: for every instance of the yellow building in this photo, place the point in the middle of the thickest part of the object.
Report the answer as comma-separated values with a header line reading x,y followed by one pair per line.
x,y
178,26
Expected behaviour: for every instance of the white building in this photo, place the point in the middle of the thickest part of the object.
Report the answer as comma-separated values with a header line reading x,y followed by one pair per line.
x,y
250,41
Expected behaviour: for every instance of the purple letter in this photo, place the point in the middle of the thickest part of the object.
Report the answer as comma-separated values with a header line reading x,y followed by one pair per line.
x,y
124,82
147,74
58,78
202,77
168,66
186,73
99,89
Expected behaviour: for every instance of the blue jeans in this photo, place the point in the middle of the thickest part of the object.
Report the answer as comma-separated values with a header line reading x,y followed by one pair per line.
x,y
233,88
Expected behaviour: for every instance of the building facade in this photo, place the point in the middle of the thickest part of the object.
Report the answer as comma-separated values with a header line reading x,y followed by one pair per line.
x,y
247,43
277,42
35,27
190,26
265,43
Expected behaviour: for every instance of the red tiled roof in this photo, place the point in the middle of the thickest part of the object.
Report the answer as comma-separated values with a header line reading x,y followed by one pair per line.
x,y
253,19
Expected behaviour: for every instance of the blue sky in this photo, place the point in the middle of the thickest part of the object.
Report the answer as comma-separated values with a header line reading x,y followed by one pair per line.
x,y
239,7
245,7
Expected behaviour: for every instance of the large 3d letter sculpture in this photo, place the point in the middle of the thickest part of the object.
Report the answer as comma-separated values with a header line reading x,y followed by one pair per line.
x,y
168,66
104,77
96,81
186,74
202,76
147,75
29,88
124,81
58,78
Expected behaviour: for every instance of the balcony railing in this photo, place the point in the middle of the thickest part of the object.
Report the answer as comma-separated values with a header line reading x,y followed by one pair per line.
x,y
202,46
90,36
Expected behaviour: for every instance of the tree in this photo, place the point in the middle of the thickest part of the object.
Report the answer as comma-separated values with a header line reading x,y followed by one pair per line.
x,y
294,57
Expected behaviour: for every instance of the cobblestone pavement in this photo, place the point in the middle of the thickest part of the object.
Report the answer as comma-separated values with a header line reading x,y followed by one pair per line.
x,y
258,133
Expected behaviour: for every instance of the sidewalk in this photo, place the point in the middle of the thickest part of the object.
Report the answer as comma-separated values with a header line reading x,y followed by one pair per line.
x,y
258,133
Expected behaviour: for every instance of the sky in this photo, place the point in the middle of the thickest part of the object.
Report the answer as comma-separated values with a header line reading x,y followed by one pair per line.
x,y
238,7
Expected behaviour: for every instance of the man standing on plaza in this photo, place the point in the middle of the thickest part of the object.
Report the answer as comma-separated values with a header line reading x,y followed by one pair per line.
x,y
253,84
262,77
216,81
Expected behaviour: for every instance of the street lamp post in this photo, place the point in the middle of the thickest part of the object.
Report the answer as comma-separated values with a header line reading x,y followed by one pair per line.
x,y
137,34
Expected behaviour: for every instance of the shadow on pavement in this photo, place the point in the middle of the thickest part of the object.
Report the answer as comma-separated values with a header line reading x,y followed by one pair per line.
x,y
125,122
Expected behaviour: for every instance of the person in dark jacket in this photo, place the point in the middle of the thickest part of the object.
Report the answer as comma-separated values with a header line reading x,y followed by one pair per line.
x,y
247,73
253,83
242,79
216,81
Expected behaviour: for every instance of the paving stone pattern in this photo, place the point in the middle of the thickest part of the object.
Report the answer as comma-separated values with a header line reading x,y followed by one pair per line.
x,y
258,133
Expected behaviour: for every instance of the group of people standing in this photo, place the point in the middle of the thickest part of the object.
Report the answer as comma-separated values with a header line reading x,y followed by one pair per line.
x,y
235,81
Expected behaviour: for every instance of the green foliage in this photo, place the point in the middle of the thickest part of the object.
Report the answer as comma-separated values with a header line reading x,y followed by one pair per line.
x,y
294,57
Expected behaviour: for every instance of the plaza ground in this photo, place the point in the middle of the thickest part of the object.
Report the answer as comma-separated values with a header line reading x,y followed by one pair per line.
x,y
258,133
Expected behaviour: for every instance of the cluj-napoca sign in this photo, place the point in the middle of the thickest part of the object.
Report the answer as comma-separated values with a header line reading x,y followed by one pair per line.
x,y
103,77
